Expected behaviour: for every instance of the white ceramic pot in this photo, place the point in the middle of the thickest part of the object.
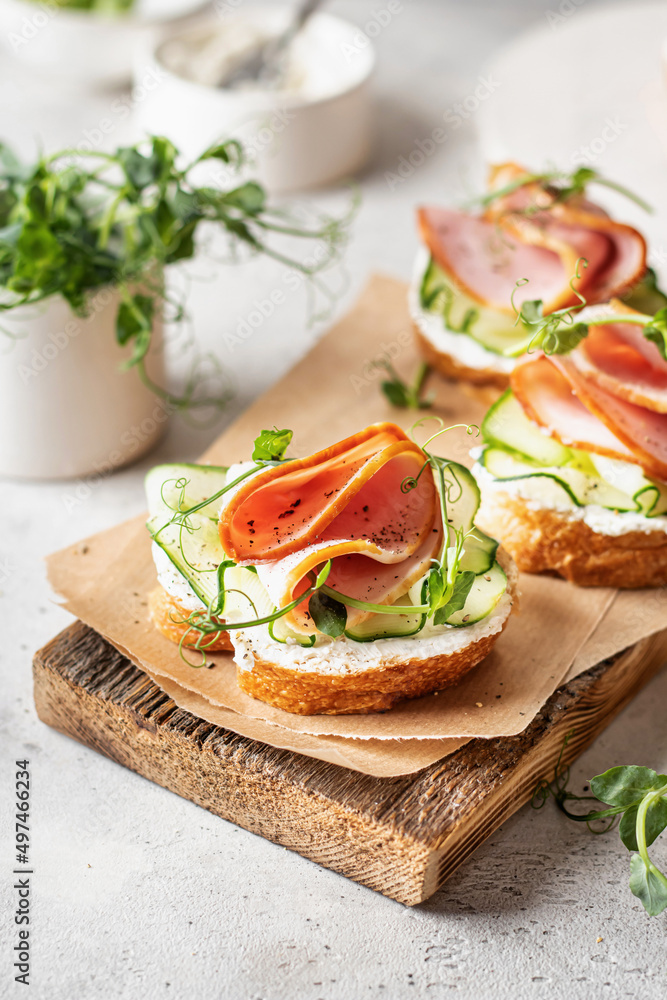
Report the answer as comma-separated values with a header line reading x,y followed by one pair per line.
x,y
295,139
85,46
67,410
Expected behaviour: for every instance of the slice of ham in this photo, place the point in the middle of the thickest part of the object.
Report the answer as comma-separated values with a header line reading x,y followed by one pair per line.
x,y
345,504
528,234
618,357
486,263
642,431
616,253
372,579
547,398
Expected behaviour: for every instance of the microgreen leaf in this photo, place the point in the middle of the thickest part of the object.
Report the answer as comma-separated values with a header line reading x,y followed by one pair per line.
x,y
323,574
626,786
648,885
139,169
656,331
400,393
230,151
249,197
436,588
271,445
329,615
134,322
462,587
655,823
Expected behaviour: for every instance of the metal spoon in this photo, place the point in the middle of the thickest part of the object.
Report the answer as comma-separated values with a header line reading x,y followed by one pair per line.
x,y
264,62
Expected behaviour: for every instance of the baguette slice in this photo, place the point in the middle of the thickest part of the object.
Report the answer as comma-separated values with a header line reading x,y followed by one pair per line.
x,y
366,677
449,366
544,539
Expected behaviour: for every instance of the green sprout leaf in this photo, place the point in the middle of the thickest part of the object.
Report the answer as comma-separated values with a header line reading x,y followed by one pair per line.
x,y
638,796
648,885
656,331
400,393
250,198
323,575
656,822
462,587
134,322
271,445
230,151
626,786
329,615
436,588
562,185
553,333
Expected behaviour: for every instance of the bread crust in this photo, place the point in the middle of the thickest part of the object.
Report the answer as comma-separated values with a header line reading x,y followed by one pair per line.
x,y
450,368
547,540
375,690
168,617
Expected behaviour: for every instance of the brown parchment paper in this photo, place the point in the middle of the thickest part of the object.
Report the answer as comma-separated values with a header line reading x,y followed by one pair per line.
x,y
368,756
331,393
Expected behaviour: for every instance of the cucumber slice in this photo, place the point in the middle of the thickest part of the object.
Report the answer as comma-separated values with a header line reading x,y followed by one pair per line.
x,y
495,330
650,496
479,552
196,551
462,499
485,593
391,626
507,426
548,485
246,596
281,632
461,493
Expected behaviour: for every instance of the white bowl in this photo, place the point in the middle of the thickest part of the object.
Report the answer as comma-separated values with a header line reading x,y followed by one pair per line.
x,y
298,138
85,46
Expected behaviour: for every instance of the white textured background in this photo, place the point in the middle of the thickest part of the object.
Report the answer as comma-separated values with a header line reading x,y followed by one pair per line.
x,y
138,894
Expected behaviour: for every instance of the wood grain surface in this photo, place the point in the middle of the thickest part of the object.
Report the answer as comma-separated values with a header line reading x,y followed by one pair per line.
x,y
401,836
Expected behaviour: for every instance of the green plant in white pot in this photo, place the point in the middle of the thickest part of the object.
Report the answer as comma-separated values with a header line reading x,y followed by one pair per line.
x,y
84,241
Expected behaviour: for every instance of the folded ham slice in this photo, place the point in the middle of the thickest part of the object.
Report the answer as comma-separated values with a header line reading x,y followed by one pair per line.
x,y
529,234
486,263
619,358
546,397
345,504
580,414
642,431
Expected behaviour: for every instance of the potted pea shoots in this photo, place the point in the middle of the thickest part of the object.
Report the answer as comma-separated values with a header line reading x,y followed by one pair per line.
x,y
85,239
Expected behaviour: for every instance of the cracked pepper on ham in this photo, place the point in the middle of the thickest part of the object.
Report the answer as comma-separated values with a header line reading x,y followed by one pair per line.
x,y
530,234
345,504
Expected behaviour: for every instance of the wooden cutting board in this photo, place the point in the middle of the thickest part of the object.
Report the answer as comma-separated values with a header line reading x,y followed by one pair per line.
x,y
401,836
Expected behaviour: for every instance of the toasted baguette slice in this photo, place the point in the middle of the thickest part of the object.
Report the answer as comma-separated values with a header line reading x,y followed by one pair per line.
x,y
169,618
348,677
545,539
